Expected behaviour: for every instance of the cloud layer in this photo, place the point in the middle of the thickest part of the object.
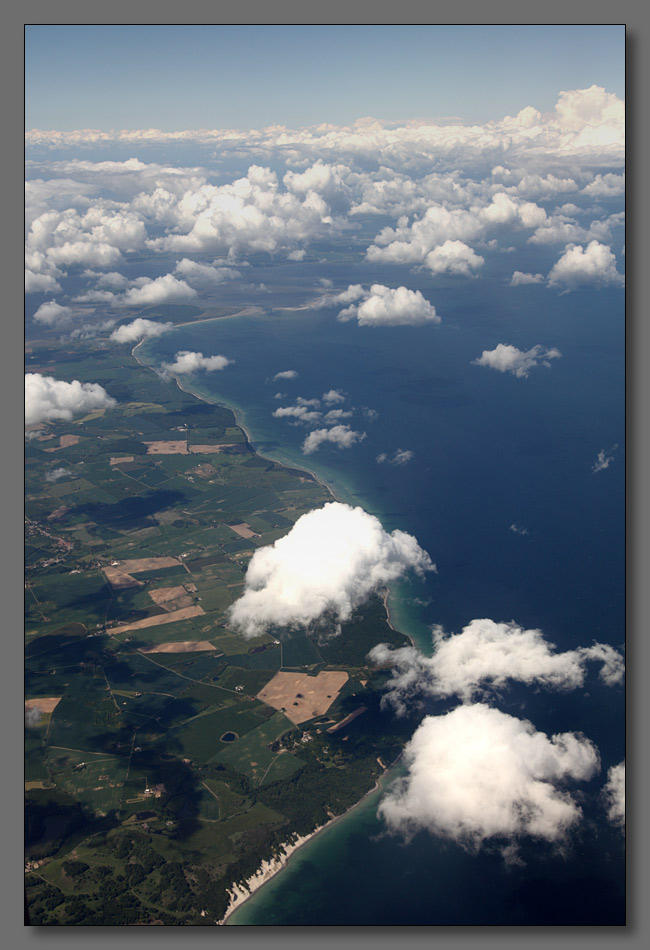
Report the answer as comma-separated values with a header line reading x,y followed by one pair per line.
x,y
331,561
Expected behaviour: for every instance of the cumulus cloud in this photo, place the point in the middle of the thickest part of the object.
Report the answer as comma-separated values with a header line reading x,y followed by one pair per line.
x,y
53,400
301,414
342,436
40,283
331,561
139,329
335,415
594,265
603,460
606,186
477,775
149,293
33,717
333,396
520,277
53,314
508,359
400,457
453,257
187,361
614,794
484,658
204,276
286,374
384,306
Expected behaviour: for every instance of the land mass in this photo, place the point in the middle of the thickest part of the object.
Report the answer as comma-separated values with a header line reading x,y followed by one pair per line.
x,y
167,759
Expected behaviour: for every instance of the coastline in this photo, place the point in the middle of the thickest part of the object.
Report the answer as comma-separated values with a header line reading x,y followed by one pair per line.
x,y
241,892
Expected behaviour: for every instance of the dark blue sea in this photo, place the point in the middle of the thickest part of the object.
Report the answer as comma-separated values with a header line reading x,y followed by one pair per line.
x,y
489,451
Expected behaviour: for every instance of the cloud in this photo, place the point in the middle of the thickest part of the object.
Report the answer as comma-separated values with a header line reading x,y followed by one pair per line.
x,y
149,293
53,314
508,359
519,278
453,257
187,361
57,473
331,561
40,283
606,186
603,460
333,396
50,400
301,414
33,716
484,658
400,457
478,775
519,529
204,276
383,306
593,266
614,794
335,415
342,436
286,374
139,329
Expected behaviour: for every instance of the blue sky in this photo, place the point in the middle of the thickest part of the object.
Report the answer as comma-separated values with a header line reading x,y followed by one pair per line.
x,y
186,77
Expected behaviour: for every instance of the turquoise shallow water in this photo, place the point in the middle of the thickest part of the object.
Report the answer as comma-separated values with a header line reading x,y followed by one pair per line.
x,y
490,451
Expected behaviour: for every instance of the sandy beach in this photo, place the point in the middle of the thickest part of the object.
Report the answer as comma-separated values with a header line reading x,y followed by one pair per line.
x,y
242,892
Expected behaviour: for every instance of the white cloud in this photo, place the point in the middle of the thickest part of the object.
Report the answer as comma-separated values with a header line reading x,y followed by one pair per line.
x,y
593,266
606,186
400,457
50,400
286,374
614,794
484,658
301,414
477,775
519,278
333,396
40,283
335,415
53,314
139,329
383,306
453,257
508,359
187,361
331,561
342,436
603,460
149,293
204,276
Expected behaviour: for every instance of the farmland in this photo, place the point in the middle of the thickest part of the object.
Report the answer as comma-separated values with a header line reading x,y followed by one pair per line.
x,y
166,756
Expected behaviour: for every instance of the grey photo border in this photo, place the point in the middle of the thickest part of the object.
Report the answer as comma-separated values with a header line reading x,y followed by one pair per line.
x,y
638,554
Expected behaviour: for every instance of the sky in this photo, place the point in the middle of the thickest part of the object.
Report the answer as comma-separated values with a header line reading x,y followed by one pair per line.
x,y
189,77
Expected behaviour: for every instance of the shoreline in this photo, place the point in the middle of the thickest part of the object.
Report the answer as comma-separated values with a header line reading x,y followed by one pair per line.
x,y
242,892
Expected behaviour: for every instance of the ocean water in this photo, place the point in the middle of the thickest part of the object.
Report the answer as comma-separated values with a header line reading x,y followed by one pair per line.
x,y
489,451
